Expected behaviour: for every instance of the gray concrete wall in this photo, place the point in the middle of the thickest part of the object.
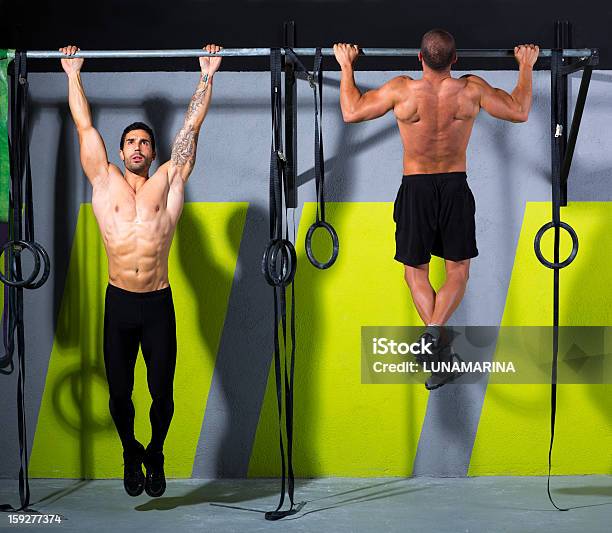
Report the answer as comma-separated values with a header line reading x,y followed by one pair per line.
x,y
508,164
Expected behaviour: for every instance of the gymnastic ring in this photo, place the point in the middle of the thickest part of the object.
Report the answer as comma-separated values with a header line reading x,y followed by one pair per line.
x,y
538,249
288,262
46,270
35,253
335,244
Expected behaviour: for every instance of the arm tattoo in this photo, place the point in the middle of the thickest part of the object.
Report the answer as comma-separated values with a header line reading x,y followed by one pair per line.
x,y
198,98
184,149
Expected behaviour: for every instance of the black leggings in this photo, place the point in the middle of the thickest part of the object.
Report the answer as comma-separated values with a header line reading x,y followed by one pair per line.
x,y
147,319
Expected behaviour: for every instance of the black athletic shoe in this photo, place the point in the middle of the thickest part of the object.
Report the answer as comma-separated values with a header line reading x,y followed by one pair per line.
x,y
133,478
438,346
155,484
437,379
427,340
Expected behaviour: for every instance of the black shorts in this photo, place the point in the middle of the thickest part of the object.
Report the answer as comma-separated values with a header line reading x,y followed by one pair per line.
x,y
434,214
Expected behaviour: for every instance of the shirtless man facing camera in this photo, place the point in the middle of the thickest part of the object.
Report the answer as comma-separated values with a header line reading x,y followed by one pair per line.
x,y
434,209
137,215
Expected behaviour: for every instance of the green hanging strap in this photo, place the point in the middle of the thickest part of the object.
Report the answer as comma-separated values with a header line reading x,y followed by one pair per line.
x,y
6,56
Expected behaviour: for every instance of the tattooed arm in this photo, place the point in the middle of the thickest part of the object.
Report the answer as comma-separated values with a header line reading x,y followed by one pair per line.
x,y
183,155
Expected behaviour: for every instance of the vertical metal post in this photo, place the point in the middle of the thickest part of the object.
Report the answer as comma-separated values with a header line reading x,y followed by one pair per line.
x,y
290,118
563,40
556,116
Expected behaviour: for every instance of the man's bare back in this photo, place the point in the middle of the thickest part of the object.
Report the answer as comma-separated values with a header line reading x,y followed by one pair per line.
x,y
435,121
435,114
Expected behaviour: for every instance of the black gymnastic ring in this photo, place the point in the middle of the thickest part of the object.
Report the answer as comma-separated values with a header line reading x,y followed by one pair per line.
x,y
538,250
335,244
265,264
288,262
46,270
23,282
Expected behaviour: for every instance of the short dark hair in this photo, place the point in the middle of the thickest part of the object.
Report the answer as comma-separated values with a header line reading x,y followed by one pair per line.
x,y
438,49
137,126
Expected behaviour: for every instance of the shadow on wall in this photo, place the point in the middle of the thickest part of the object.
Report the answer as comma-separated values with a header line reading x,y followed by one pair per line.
x,y
589,281
66,185
514,429
70,189
326,371
193,243
587,274
582,303
74,390
309,403
242,370
72,396
205,278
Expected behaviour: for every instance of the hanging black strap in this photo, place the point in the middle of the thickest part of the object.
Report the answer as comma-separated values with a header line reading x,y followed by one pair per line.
x,y
279,259
316,83
278,266
556,219
20,168
557,224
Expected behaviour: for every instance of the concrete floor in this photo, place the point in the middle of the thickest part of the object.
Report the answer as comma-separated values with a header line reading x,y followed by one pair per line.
x,y
491,504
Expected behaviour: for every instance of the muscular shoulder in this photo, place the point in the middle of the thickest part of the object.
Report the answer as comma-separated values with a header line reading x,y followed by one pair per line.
x,y
401,80
475,83
475,86
400,83
398,87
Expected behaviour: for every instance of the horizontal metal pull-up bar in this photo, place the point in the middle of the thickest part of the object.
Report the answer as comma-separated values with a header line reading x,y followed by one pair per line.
x,y
245,52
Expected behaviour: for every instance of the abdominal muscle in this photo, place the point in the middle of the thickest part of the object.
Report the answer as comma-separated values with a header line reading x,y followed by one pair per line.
x,y
137,235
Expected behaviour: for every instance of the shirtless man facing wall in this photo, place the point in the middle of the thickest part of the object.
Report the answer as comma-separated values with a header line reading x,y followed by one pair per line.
x,y
137,215
434,209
